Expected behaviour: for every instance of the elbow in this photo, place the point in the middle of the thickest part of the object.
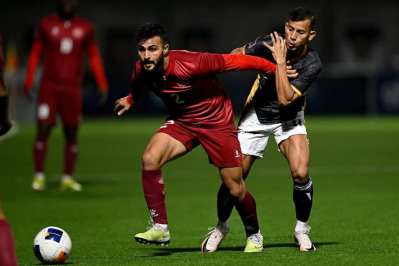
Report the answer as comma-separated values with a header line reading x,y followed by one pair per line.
x,y
284,102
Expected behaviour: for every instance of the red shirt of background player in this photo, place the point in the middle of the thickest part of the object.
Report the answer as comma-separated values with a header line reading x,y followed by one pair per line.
x,y
63,43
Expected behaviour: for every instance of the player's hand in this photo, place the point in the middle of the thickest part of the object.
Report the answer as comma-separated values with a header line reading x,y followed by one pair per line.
x,y
5,126
122,103
291,73
28,94
279,50
103,96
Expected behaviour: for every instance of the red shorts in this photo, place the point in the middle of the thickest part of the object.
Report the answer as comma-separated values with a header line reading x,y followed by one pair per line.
x,y
63,99
221,143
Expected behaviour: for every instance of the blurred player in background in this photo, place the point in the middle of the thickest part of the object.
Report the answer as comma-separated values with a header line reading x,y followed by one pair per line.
x,y
275,107
62,39
7,249
200,113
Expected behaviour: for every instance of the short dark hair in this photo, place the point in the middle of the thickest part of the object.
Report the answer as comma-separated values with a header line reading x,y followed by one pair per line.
x,y
149,30
301,14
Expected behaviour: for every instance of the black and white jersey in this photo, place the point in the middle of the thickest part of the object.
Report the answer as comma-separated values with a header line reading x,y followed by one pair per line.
x,y
264,94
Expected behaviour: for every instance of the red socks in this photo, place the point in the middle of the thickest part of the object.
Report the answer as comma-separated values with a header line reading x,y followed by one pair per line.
x,y
247,211
154,193
7,249
71,154
39,154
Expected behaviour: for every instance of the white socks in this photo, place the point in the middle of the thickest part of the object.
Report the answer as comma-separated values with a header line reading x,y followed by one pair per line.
x,y
66,177
301,226
223,226
39,175
162,227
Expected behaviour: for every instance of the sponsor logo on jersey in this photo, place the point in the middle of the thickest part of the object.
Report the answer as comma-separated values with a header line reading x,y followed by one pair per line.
x,y
183,83
237,154
55,30
77,32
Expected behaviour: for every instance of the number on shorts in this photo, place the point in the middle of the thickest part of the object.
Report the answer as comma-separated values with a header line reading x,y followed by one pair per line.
x,y
169,122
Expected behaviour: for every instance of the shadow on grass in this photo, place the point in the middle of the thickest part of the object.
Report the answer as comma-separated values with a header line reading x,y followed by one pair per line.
x,y
170,251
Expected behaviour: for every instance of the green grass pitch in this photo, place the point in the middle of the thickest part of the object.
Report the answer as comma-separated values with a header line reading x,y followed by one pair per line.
x,y
355,218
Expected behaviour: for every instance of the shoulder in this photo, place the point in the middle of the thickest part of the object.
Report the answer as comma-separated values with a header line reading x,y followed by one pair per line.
x,y
83,22
183,55
49,18
137,70
313,59
261,39
48,21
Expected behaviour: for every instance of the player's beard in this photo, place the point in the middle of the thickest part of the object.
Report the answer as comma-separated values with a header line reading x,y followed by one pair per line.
x,y
156,67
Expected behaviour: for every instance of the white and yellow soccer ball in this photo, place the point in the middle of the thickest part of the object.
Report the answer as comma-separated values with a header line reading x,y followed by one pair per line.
x,y
52,245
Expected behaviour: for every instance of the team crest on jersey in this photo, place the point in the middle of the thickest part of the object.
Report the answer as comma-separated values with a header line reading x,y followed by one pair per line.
x,y
55,30
183,83
77,32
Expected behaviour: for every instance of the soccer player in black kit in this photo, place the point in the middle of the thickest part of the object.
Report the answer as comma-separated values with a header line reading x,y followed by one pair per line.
x,y
275,106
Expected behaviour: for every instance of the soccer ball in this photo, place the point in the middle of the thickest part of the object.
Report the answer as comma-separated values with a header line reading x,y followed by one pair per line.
x,y
52,244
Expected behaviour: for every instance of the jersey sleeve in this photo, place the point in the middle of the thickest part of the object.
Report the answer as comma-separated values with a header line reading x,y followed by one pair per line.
x,y
305,77
211,64
95,61
257,47
34,56
136,85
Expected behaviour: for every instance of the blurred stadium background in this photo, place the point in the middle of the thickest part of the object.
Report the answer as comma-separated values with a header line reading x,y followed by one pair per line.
x,y
356,42
352,111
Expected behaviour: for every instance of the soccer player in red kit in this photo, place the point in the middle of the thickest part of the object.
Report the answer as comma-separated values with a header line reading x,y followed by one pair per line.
x,y
7,249
62,39
200,113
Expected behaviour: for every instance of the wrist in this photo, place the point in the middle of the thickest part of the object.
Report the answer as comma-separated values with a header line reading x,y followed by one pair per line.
x,y
129,100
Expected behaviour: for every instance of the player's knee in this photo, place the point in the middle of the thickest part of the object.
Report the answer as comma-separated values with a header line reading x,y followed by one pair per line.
x,y
237,191
150,162
300,174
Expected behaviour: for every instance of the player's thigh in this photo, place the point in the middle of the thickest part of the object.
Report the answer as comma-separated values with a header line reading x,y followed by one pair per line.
x,y
171,141
161,149
47,106
71,106
296,151
221,145
247,162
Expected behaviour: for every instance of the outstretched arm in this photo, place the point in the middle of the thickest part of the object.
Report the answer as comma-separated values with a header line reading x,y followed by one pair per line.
x,y
246,62
291,73
285,93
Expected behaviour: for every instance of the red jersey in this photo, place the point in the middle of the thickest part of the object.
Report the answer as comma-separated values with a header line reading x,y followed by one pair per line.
x,y
63,43
189,88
